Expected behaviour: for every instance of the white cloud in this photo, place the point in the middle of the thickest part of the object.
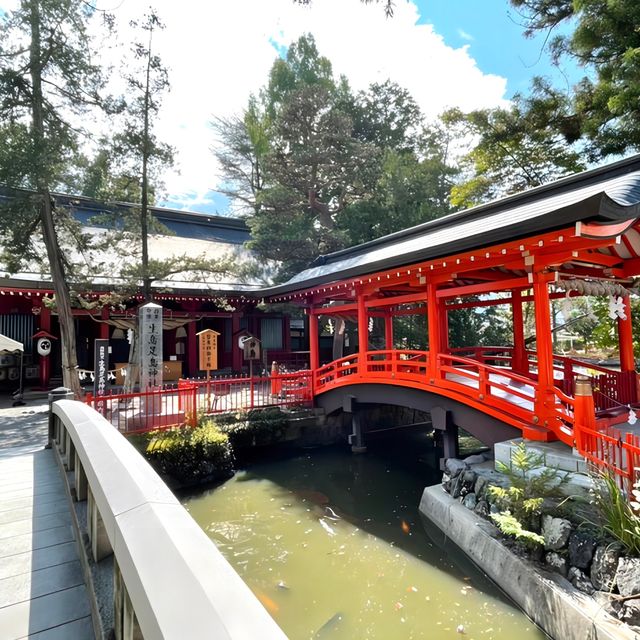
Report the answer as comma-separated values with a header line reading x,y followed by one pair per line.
x,y
465,36
220,51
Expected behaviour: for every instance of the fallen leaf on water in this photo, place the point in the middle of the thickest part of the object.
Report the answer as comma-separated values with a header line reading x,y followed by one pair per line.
x,y
405,527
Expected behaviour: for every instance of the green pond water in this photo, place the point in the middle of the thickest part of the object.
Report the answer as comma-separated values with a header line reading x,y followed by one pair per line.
x,y
333,546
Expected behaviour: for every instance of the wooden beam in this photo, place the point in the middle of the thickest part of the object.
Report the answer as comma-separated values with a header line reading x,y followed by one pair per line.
x,y
484,287
394,301
631,267
594,230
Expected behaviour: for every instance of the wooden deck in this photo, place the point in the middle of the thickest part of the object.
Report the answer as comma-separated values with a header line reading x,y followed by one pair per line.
x,y
42,590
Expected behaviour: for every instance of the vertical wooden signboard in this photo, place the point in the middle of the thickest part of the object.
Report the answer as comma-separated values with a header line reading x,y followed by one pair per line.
x,y
100,367
208,360
150,325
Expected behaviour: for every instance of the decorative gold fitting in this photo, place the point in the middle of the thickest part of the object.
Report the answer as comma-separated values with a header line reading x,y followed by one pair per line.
x,y
481,396
535,420
583,386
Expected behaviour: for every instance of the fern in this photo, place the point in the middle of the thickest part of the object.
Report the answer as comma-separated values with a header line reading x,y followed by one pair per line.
x,y
511,526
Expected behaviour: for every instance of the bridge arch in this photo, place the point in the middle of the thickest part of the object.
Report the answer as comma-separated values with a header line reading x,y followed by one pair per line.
x,y
482,426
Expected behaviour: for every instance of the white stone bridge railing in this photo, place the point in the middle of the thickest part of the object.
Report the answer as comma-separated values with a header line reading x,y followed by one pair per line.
x,y
170,580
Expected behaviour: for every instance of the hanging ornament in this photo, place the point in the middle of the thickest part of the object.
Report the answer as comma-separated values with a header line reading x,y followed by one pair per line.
x,y
123,373
616,308
130,336
92,377
370,325
632,418
330,327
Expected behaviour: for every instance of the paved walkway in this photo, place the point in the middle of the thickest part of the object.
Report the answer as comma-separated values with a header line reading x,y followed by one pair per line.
x,y
42,592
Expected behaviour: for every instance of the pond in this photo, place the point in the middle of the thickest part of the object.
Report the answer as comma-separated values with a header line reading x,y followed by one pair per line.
x,y
333,546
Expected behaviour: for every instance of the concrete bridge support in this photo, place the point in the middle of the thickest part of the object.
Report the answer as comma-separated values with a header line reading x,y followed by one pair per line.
x,y
442,421
356,439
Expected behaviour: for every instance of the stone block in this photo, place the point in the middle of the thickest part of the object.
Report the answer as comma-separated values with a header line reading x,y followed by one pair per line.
x,y
470,501
455,467
579,580
628,576
604,567
556,532
581,549
556,562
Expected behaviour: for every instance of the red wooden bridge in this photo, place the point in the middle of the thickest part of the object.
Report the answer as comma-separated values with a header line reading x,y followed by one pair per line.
x,y
577,236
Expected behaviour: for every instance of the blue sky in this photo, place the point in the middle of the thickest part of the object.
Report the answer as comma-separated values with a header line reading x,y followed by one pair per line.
x,y
493,32
473,56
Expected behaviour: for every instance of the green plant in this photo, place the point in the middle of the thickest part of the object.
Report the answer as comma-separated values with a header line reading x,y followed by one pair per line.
x,y
521,503
191,454
529,474
511,526
620,516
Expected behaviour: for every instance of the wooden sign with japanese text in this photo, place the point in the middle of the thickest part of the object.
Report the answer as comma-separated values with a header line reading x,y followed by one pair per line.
x,y
208,360
251,348
150,323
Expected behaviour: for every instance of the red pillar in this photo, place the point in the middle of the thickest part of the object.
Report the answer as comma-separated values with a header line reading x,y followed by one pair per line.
x,y
363,334
519,362
444,326
625,339
192,350
314,355
545,398
45,364
388,330
435,327
236,353
104,327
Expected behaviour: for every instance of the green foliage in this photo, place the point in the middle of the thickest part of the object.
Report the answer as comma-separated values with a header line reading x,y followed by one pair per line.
x,y
605,40
191,454
255,427
514,149
316,168
511,526
528,474
620,515
521,503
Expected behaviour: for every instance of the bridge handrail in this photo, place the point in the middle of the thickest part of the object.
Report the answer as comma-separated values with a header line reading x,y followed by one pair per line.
x,y
156,543
491,369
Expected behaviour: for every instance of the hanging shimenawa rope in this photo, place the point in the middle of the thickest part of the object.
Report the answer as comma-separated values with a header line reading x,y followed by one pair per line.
x,y
596,287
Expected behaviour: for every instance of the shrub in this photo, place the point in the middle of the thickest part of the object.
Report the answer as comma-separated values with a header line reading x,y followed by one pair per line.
x,y
521,504
620,517
191,454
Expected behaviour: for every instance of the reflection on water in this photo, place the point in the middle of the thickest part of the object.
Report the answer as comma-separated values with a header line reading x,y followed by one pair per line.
x,y
333,546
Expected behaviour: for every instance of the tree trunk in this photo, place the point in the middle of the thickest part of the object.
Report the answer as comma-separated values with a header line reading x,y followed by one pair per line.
x,y
144,226
41,174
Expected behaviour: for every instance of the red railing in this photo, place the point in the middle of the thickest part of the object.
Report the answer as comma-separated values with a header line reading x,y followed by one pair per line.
x,y
612,451
221,395
182,403
147,410
611,388
490,385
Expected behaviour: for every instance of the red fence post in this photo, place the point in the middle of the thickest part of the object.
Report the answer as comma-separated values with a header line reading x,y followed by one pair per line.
x,y
584,412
